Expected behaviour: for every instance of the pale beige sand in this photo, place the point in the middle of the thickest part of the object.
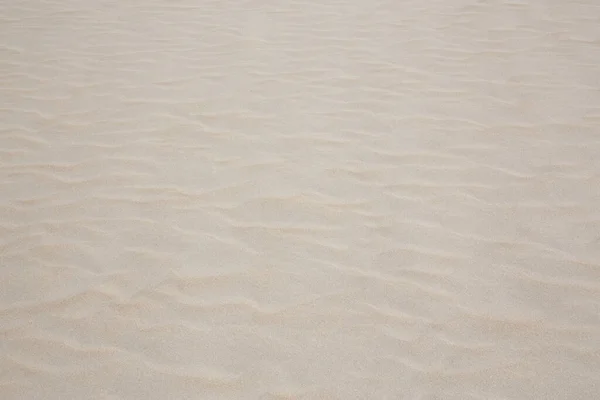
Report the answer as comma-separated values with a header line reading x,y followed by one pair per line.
x,y
300,199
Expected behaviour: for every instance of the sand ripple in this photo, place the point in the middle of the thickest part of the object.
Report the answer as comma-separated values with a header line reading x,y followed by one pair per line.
x,y
300,199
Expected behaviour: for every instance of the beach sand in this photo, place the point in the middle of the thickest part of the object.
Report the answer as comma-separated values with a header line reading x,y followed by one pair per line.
x,y
303,199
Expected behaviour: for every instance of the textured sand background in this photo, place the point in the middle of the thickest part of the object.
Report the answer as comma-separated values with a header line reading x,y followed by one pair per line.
x,y
300,199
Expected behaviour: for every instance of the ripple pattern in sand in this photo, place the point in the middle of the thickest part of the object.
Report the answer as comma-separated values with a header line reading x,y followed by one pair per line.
x,y
300,199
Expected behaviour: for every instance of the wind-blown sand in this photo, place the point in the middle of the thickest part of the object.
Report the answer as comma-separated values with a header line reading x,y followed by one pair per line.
x,y
304,199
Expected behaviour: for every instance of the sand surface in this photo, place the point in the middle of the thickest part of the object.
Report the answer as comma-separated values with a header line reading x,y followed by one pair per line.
x,y
300,199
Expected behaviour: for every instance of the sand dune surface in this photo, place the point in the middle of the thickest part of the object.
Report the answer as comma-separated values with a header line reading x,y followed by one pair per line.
x,y
300,199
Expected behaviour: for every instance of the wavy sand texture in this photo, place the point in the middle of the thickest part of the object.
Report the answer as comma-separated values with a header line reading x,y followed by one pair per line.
x,y
300,199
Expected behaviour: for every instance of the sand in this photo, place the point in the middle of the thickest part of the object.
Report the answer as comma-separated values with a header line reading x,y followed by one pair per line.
x,y
300,199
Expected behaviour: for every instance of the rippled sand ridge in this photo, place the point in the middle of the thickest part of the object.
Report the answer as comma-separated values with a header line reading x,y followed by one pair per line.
x,y
300,199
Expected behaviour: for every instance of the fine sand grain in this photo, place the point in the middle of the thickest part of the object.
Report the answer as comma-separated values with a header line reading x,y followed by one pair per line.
x,y
300,199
